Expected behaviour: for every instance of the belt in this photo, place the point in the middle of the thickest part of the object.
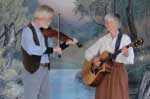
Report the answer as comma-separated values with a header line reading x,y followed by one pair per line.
x,y
44,64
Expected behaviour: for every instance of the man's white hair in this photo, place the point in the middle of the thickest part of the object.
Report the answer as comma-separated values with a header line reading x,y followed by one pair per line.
x,y
115,18
43,11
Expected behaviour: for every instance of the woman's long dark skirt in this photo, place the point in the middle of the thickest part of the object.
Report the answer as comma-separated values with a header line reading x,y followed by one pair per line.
x,y
114,84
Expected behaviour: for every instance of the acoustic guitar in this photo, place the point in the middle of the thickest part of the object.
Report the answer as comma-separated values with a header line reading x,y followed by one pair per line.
x,y
93,76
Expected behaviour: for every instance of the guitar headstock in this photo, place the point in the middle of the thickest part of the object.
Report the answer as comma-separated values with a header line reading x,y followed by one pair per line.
x,y
137,42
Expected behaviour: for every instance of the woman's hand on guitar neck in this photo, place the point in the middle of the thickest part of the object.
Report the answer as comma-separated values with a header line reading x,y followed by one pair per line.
x,y
125,51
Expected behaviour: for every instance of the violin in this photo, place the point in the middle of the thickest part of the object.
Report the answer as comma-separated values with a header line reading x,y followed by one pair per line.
x,y
54,33
57,34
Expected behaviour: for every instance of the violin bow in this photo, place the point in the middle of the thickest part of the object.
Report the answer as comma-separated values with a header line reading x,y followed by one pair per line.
x,y
58,40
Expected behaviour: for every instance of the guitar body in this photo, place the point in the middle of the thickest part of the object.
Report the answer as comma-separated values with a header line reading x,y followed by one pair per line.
x,y
94,78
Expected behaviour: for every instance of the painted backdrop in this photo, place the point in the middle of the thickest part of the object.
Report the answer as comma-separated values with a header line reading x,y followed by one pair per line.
x,y
82,19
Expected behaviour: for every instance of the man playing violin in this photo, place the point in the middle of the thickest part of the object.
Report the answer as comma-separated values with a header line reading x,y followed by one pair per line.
x,y
35,50
114,84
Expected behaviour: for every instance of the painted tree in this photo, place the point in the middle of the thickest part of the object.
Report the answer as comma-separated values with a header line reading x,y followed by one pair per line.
x,y
130,20
144,90
12,18
141,13
95,9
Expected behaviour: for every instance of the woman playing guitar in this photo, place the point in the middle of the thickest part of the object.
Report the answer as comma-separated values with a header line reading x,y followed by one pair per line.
x,y
114,85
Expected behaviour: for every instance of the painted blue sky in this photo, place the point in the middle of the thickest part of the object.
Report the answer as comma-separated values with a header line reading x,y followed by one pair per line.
x,y
66,7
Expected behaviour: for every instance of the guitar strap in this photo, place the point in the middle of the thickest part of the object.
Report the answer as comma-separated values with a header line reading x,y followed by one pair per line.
x,y
117,45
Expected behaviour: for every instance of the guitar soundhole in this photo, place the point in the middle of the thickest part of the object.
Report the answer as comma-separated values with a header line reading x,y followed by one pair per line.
x,y
92,68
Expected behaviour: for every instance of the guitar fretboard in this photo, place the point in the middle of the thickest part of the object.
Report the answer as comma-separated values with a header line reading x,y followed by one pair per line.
x,y
132,44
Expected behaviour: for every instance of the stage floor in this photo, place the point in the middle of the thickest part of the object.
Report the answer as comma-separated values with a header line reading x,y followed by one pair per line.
x,y
67,84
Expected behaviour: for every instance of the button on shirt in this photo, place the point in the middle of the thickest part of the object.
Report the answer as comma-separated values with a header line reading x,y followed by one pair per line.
x,y
106,43
30,47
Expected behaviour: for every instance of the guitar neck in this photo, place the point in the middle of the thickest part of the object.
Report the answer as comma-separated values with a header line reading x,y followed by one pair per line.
x,y
116,53
119,51
132,44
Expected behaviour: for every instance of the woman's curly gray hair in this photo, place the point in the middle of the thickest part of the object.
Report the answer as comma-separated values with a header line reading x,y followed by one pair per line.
x,y
114,17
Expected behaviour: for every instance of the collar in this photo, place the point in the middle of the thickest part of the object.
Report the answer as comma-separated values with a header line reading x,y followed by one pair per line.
x,y
36,27
109,34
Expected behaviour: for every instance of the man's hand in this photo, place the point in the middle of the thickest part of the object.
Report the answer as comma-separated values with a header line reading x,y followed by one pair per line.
x,y
72,42
57,50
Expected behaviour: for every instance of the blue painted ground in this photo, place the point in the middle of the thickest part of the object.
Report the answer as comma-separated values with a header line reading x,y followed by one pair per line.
x,y
67,84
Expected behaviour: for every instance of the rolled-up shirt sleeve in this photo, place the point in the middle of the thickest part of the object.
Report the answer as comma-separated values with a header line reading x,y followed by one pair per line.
x,y
126,59
28,44
92,51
